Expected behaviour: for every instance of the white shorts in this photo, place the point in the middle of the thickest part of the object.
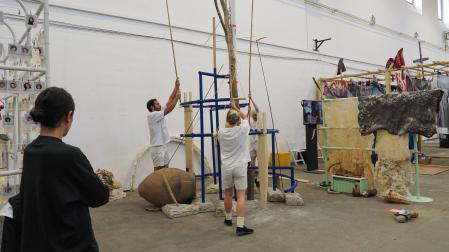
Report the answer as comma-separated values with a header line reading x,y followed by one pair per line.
x,y
235,176
160,156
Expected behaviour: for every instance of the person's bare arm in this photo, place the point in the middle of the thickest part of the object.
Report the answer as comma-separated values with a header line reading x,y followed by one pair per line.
x,y
175,90
255,105
173,99
171,104
234,107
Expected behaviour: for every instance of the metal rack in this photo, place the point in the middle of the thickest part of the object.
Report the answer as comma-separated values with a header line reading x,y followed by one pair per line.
x,y
421,70
42,10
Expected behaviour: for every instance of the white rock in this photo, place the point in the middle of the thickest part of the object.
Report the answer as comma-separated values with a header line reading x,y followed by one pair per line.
x,y
294,199
275,196
181,210
212,189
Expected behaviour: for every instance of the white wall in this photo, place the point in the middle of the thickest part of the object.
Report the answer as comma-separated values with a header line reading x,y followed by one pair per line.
x,y
113,57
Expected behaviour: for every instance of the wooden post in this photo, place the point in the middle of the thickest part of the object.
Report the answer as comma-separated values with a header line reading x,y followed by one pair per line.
x,y
188,128
262,159
388,80
229,30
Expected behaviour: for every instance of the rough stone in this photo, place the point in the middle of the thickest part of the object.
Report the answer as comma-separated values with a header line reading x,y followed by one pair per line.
x,y
413,112
294,199
212,189
275,196
181,210
206,207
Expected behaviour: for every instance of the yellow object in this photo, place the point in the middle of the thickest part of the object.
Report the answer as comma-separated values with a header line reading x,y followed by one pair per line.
x,y
281,159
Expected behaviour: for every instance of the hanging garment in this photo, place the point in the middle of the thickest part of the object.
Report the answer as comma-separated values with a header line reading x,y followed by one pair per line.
x,y
354,89
332,93
413,112
400,81
377,89
341,68
443,116
414,84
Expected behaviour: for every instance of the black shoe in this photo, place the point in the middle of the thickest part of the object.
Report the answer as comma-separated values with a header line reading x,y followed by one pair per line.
x,y
228,222
240,231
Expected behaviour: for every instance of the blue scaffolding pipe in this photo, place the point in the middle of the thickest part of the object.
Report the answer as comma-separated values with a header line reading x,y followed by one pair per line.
x,y
293,181
269,131
215,75
184,104
252,132
223,107
197,135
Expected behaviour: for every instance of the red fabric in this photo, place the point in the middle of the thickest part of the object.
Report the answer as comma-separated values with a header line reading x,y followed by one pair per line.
x,y
399,59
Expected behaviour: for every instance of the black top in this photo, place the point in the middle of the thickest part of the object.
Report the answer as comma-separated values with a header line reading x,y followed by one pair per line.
x,y
58,185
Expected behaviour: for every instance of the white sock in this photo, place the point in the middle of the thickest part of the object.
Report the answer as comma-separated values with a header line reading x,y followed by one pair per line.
x,y
228,216
240,222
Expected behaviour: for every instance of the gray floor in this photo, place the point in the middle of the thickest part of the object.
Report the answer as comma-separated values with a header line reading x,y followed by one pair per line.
x,y
327,223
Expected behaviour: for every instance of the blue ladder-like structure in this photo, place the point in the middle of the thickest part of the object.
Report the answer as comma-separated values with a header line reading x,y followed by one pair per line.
x,y
215,105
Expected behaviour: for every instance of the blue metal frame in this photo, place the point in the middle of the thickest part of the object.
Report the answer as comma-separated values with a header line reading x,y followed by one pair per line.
x,y
213,105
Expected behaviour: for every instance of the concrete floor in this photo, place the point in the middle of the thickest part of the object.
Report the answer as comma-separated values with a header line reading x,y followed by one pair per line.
x,y
326,223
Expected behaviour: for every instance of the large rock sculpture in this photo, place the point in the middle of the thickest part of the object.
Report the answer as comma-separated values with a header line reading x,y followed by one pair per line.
x,y
154,190
413,112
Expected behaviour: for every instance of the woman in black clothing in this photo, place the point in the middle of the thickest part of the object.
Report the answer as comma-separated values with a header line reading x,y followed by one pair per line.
x,y
58,183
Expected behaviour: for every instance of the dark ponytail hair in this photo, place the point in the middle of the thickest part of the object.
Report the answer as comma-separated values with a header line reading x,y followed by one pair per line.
x,y
51,106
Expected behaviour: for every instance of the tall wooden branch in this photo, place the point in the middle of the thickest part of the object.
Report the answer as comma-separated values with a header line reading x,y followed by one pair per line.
x,y
225,20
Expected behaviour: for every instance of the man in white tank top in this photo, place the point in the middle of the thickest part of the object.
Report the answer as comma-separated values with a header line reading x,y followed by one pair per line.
x,y
159,137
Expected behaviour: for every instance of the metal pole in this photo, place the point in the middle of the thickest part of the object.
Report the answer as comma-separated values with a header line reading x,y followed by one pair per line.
x,y
203,189
273,159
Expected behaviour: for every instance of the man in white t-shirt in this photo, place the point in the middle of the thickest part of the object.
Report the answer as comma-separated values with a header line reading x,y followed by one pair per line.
x,y
159,137
234,160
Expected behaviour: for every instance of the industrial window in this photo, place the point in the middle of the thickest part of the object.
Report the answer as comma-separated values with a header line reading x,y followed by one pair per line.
x,y
440,9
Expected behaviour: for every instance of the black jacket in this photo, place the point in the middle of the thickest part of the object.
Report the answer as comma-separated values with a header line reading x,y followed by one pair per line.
x,y
58,186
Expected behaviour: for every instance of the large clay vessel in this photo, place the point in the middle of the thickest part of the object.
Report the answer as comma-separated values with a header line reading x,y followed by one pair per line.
x,y
181,183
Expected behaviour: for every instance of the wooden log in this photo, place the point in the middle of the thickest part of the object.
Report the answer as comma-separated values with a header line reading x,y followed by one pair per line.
x,y
262,157
188,129
167,186
388,81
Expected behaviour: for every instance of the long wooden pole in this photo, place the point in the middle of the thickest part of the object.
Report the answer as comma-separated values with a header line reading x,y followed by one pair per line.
x,y
171,39
167,186
188,130
250,58
262,158
388,81
379,72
